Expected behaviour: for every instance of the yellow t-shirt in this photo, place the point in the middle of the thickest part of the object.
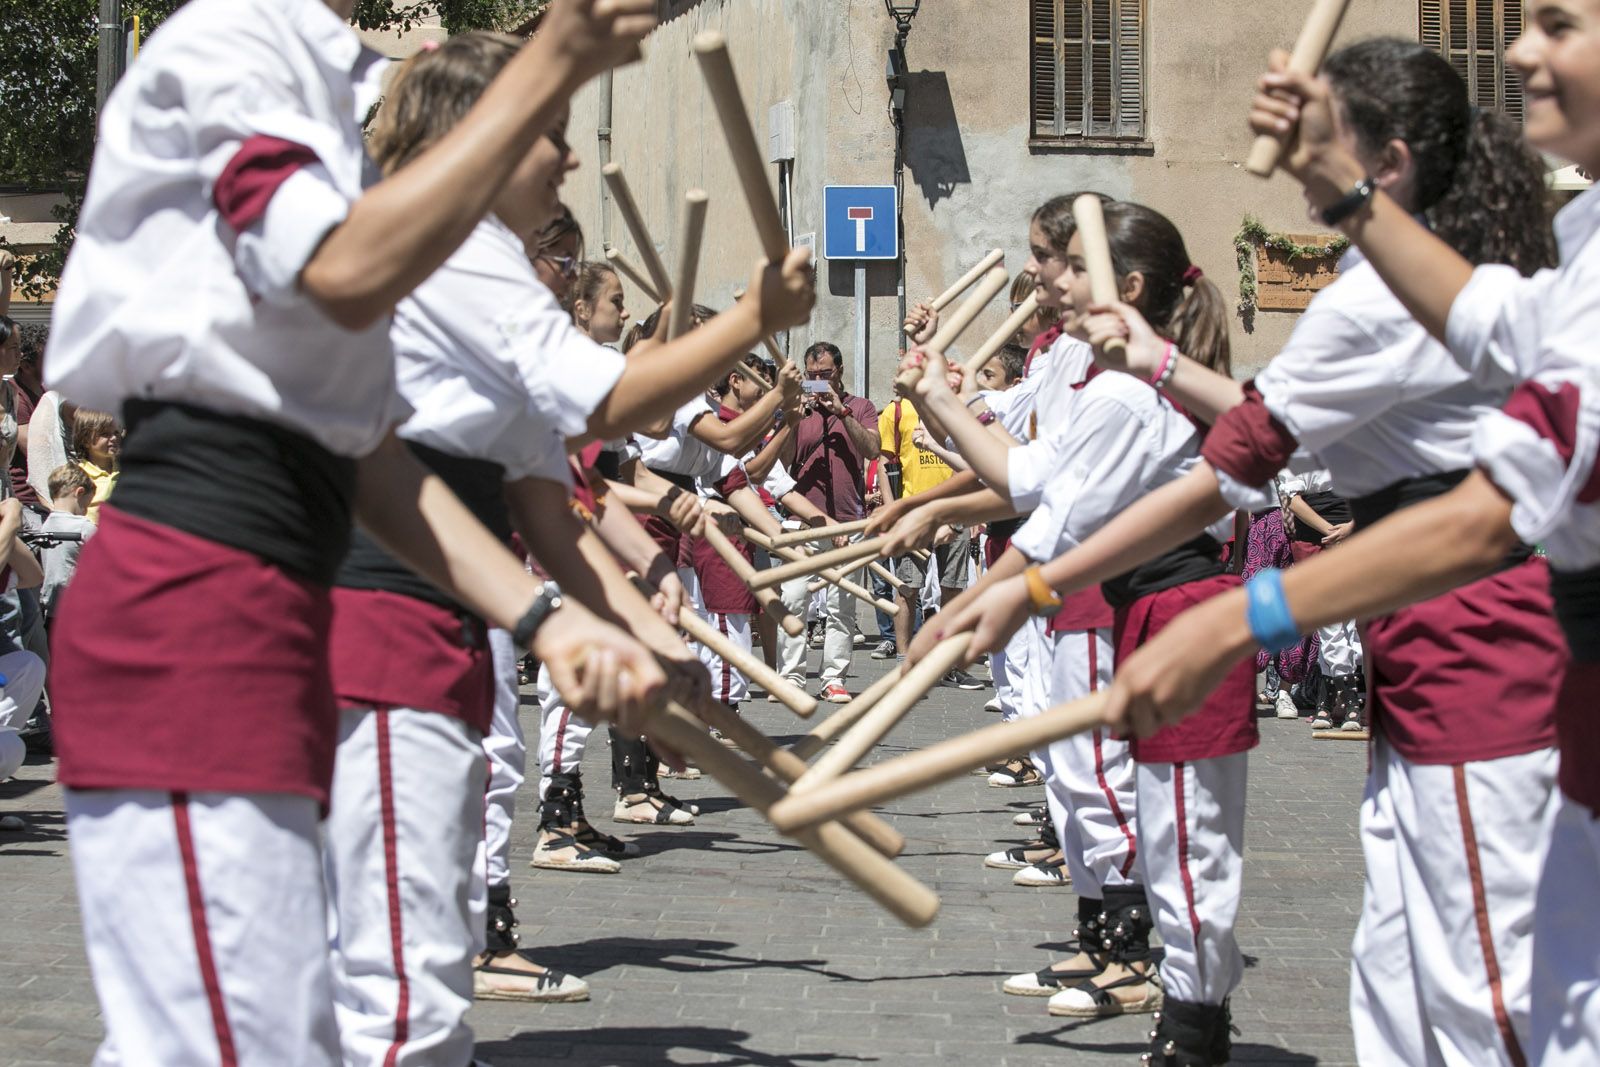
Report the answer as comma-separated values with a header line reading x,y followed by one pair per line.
x,y
920,469
104,481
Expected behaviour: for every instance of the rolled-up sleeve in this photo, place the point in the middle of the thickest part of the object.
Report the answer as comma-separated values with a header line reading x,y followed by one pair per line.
x,y
1494,324
1540,450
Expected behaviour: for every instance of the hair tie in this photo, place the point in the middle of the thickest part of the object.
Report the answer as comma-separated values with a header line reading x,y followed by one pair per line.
x,y
429,45
1192,275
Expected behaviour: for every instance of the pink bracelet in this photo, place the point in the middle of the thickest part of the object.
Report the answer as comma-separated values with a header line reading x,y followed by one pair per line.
x,y
1159,378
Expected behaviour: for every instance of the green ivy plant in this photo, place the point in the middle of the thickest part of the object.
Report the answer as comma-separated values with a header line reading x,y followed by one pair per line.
x,y
1254,235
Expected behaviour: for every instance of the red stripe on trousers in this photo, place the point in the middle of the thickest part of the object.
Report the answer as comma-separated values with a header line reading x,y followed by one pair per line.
x,y
1100,763
1183,854
561,738
1480,907
202,935
727,671
391,875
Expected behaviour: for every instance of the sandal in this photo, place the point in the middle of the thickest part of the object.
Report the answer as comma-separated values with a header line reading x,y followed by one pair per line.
x,y
650,810
1049,982
550,986
615,847
1017,772
583,860
1089,1001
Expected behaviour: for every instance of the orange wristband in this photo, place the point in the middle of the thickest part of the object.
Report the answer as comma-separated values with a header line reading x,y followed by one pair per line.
x,y
1046,601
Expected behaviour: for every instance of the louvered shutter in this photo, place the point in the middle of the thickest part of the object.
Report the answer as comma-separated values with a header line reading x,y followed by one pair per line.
x,y
1074,69
1044,18
1130,68
1473,36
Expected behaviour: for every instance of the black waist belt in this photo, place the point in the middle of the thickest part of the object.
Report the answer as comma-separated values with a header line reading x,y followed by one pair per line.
x,y
238,481
609,464
1374,507
479,484
683,481
1005,529
1189,562
1577,597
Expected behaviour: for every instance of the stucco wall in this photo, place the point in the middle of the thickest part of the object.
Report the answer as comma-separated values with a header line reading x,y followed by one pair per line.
x,y
971,180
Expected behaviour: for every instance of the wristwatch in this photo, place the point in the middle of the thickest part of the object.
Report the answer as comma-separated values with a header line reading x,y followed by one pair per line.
x,y
548,600
1045,600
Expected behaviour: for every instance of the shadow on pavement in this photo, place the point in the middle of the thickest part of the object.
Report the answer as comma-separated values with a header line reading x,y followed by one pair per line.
x,y
641,1044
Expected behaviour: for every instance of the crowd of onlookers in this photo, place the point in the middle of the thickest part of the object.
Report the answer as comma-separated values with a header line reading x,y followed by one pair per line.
x,y
62,463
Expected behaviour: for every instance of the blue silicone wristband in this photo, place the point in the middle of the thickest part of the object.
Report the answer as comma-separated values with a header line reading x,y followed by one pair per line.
x,y
1271,624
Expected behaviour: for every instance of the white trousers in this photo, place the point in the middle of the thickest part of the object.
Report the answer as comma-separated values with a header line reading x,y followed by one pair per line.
x,y
839,625
24,675
1443,955
1339,650
507,752
1565,1021
728,685
206,927
1191,852
1009,667
403,848
563,737
1091,774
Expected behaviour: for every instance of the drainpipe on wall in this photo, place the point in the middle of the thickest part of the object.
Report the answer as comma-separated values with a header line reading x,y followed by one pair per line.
x,y
603,135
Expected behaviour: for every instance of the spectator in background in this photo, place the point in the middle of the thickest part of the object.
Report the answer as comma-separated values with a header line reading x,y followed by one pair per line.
x,y
97,441
29,382
921,469
70,492
836,438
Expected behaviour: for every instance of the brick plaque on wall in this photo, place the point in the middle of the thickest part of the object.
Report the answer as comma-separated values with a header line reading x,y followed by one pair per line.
x,y
1284,284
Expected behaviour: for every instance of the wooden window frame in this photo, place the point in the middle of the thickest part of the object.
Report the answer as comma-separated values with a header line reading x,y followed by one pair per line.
x,y
1126,109
1473,35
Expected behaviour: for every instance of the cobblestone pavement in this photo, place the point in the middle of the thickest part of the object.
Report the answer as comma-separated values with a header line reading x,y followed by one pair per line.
x,y
724,943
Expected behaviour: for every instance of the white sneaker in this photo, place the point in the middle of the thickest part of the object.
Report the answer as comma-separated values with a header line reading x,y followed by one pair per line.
x,y
1287,709
994,704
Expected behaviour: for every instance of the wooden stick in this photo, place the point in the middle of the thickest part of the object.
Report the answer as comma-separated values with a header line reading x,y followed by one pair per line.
x,y
690,235
965,282
798,700
876,724
820,533
1310,49
786,767
712,50
829,577
887,575
770,602
846,717
850,554
897,777
629,209
902,895
998,339
951,329
1091,220
633,274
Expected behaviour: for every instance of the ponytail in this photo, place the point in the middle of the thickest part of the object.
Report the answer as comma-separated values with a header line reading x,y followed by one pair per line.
x,y
1200,327
1494,210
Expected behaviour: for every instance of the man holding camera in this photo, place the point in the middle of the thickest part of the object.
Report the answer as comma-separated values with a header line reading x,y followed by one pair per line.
x,y
836,437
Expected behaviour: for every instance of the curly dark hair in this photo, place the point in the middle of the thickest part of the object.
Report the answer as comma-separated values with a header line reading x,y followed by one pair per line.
x,y
1478,182
34,337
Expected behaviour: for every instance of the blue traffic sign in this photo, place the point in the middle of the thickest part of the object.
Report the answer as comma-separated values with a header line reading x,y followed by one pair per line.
x,y
859,222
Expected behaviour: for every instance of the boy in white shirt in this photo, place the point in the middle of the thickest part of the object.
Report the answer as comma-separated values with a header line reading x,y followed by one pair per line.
x,y
70,489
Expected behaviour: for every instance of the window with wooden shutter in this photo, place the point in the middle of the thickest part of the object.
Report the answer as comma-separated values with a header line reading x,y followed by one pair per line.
x,y
1474,35
1087,70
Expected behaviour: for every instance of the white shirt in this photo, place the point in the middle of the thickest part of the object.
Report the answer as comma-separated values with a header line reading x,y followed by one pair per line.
x,y
1368,394
161,297
1119,441
1030,466
491,365
680,452
1298,484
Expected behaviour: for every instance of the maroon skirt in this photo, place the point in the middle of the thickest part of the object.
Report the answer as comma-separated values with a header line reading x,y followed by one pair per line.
x,y
389,650
721,590
1578,727
180,664
1470,675
1226,722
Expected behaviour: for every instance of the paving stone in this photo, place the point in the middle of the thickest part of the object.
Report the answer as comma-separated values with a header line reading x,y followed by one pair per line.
x,y
727,944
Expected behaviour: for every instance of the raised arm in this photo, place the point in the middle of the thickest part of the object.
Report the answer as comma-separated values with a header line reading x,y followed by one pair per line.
x,y
404,227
